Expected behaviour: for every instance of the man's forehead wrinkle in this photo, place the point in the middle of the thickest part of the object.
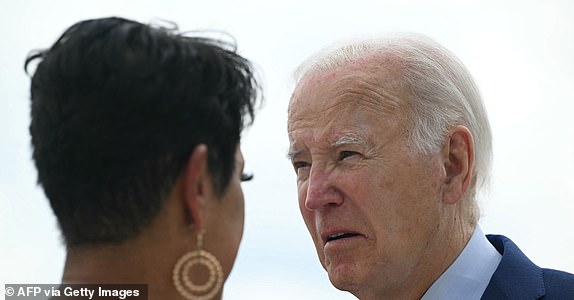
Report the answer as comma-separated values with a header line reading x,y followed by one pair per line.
x,y
368,101
370,91
325,107
329,113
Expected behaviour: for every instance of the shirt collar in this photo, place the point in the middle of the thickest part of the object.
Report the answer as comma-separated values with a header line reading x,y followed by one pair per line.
x,y
469,275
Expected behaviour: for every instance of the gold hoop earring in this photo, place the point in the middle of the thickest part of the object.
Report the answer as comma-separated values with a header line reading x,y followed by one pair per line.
x,y
181,270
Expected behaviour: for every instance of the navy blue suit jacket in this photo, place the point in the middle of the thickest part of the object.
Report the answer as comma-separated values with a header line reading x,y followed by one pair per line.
x,y
519,278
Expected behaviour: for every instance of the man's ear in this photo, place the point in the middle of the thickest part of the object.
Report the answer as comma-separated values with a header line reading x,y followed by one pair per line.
x,y
195,185
458,160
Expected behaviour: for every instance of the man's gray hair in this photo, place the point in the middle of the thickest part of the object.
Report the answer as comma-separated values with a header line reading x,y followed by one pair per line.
x,y
443,94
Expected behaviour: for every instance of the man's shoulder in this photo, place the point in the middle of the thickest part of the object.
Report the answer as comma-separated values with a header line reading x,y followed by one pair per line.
x,y
518,277
558,283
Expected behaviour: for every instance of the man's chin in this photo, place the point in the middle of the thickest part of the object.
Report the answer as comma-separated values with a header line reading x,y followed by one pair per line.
x,y
343,277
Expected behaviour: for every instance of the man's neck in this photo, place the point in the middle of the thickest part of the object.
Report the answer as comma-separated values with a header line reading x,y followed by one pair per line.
x,y
442,250
468,276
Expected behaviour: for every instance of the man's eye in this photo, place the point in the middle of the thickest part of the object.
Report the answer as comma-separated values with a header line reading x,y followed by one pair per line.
x,y
300,164
346,154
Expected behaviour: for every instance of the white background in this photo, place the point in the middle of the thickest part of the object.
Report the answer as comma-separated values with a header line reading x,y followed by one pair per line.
x,y
520,52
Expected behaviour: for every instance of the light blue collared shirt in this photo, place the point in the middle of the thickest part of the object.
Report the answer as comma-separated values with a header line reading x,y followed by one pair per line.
x,y
469,275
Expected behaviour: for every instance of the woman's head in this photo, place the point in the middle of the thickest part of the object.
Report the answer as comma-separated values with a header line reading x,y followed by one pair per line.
x,y
118,108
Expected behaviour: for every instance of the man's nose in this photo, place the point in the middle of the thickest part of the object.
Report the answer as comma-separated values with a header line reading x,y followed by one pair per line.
x,y
321,190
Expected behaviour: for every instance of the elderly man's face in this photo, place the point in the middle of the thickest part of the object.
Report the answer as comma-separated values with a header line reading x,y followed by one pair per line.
x,y
372,206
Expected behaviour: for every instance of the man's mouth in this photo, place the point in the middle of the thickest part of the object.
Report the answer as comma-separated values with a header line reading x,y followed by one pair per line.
x,y
339,235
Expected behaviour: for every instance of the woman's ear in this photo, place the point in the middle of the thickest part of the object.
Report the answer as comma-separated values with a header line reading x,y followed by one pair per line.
x,y
458,161
196,185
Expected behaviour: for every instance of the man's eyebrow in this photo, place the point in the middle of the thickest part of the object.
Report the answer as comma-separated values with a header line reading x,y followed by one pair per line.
x,y
349,139
293,153
344,140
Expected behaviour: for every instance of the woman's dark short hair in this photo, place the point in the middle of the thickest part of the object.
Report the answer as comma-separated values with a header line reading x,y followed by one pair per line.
x,y
117,108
